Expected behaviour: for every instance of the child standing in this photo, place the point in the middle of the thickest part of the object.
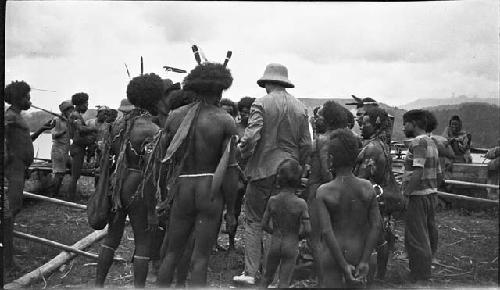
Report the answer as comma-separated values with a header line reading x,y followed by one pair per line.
x,y
287,219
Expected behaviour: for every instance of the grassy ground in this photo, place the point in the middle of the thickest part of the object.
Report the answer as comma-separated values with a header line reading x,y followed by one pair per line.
x,y
468,251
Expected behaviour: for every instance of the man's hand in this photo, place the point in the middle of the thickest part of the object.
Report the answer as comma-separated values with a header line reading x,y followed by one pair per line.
x,y
231,223
47,126
362,271
349,271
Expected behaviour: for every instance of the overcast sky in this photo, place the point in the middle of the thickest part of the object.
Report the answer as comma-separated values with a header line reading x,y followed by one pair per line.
x,y
393,52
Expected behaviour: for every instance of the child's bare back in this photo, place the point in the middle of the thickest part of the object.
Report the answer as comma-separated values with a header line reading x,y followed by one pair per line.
x,y
351,206
287,218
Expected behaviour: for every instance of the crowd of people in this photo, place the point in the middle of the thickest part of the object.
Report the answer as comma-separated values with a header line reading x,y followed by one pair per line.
x,y
181,162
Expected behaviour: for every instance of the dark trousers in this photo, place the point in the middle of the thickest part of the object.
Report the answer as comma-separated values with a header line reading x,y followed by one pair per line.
x,y
420,229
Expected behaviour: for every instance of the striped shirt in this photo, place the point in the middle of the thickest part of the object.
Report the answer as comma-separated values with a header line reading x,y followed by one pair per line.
x,y
423,153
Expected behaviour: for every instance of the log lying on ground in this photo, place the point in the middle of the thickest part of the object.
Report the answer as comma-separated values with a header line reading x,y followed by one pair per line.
x,y
60,246
54,200
57,261
467,202
473,184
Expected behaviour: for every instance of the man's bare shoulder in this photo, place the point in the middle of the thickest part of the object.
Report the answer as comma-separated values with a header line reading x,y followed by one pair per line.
x,y
327,191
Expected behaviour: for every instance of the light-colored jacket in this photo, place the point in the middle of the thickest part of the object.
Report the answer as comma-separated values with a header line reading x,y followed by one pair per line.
x,y
278,129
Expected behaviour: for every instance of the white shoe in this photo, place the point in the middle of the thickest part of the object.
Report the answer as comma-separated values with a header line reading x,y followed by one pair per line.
x,y
249,280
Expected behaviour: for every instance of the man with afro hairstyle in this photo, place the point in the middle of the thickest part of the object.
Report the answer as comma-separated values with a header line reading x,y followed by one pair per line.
x,y
199,134
349,217
130,141
374,163
82,136
18,150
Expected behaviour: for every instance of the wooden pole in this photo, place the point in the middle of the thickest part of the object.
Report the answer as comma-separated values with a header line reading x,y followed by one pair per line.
x,y
481,185
55,200
57,261
467,202
467,198
61,246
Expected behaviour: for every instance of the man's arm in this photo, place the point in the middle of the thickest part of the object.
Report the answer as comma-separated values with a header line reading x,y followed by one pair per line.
x,y
305,144
419,152
47,126
372,165
252,132
305,224
324,158
329,237
375,226
374,221
80,126
9,124
230,183
266,219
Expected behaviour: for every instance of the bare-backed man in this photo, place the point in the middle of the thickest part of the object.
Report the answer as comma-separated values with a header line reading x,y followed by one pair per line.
x,y
349,216
196,210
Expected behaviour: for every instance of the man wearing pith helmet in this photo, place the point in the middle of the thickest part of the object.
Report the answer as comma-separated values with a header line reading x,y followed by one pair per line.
x,y
277,129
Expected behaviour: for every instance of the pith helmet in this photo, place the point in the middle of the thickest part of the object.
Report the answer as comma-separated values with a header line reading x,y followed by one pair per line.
x,y
275,73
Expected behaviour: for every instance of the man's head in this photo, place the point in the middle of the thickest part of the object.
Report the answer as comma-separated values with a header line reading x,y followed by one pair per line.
x,y
366,103
374,120
66,108
145,91
343,149
455,124
111,115
414,122
331,116
208,81
125,106
275,78
432,122
229,107
17,93
244,106
169,88
80,101
102,113
181,98
289,174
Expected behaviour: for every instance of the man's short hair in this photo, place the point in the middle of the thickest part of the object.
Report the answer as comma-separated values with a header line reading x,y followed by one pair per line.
x,y
145,91
378,117
344,147
245,102
418,116
432,122
334,115
455,118
15,90
289,173
79,98
228,102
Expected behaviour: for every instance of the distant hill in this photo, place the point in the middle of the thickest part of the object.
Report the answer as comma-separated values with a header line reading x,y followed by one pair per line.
x,y
426,103
397,133
482,120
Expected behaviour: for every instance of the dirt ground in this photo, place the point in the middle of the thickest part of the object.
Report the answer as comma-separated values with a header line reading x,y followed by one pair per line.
x,y
467,254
